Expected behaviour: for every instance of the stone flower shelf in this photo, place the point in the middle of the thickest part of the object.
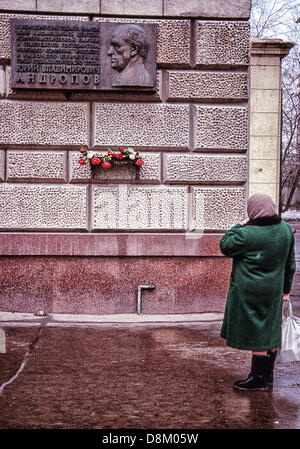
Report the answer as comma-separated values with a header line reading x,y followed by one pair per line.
x,y
127,159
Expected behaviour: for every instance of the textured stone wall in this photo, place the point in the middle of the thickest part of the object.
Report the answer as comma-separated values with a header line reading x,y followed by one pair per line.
x,y
192,132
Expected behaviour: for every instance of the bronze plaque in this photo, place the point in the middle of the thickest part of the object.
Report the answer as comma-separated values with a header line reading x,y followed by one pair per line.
x,y
128,56
83,55
55,54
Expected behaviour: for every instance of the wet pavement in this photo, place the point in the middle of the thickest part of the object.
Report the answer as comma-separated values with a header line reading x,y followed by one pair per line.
x,y
136,372
133,372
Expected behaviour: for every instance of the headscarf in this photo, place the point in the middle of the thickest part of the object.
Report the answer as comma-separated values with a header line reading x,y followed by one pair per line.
x,y
260,205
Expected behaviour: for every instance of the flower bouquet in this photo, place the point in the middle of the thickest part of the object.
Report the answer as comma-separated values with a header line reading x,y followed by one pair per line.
x,y
111,158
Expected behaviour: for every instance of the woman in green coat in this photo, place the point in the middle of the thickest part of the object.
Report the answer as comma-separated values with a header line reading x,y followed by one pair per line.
x,y
263,268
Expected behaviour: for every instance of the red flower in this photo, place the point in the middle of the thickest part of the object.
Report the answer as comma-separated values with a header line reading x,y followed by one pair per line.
x,y
119,156
106,164
95,160
122,149
81,161
139,162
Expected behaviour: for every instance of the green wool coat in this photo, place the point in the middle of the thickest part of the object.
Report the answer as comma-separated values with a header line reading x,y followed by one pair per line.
x,y
263,268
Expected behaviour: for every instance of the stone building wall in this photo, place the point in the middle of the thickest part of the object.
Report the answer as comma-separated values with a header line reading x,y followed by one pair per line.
x,y
82,243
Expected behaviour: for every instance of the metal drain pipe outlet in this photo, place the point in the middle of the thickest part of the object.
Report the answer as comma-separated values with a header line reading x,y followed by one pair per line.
x,y
139,299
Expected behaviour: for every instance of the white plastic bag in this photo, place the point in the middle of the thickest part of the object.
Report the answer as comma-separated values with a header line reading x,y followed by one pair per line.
x,y
290,337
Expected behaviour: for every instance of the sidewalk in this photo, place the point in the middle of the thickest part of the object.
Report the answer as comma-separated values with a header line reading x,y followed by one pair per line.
x,y
52,319
133,372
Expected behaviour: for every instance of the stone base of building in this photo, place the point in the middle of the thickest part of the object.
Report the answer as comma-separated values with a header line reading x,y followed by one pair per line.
x,y
190,275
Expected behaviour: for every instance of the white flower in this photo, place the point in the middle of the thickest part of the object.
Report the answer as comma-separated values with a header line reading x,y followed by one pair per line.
x,y
90,154
132,156
130,150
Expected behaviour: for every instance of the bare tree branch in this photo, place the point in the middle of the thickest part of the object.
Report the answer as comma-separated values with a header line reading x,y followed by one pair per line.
x,y
277,19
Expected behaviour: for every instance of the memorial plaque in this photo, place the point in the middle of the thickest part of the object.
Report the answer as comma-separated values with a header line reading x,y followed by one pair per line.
x,y
128,56
72,55
55,54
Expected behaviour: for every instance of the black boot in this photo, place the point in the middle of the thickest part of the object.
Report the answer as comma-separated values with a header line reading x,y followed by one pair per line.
x,y
261,367
273,354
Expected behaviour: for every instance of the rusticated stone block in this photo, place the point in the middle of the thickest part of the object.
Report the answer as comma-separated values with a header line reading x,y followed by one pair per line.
x,y
5,28
222,43
2,82
141,125
221,128
212,86
139,208
205,169
132,7
149,172
43,123
18,5
43,207
37,166
212,8
69,6
2,165
173,39
217,209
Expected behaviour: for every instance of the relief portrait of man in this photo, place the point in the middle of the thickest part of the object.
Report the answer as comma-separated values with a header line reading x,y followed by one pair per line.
x,y
128,51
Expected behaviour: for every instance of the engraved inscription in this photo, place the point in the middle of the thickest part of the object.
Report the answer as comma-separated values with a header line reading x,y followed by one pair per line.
x,y
83,55
55,55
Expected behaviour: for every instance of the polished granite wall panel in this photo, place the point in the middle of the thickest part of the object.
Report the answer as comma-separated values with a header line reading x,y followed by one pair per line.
x,y
110,244
94,285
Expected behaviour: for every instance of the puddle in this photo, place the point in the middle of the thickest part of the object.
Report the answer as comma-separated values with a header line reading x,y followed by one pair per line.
x,y
144,377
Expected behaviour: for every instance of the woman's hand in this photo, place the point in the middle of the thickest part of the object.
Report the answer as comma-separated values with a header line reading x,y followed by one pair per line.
x,y
285,297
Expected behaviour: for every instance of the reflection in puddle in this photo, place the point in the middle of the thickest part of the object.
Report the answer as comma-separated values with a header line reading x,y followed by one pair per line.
x,y
135,377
